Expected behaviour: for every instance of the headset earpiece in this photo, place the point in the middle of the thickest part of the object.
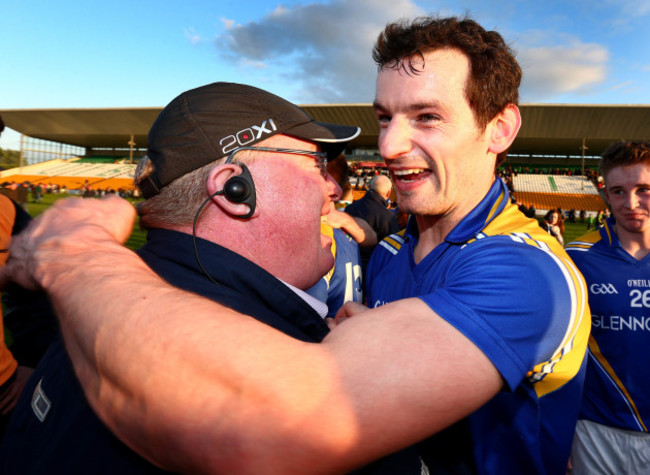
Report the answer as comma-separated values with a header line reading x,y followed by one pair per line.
x,y
241,189
236,189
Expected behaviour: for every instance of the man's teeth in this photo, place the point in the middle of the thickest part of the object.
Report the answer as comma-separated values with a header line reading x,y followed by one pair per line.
x,y
413,171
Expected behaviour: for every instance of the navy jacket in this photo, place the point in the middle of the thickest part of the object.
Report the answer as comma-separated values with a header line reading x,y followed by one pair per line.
x,y
72,440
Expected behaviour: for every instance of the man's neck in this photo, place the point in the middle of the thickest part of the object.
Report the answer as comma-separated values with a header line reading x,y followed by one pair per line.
x,y
635,244
432,231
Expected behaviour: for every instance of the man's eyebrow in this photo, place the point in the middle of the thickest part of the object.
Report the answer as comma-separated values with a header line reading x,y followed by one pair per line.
x,y
416,106
636,185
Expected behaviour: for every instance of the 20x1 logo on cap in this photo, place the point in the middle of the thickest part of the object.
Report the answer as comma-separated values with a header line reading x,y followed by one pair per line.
x,y
246,136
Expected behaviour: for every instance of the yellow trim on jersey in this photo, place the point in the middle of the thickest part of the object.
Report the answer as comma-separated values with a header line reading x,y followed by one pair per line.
x,y
595,350
392,242
327,230
567,359
495,207
585,242
608,230
564,364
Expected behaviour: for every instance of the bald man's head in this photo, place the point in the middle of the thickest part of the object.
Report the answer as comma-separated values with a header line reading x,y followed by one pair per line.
x,y
381,185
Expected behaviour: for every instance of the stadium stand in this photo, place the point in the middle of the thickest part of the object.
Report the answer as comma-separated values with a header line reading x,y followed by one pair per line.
x,y
546,192
74,174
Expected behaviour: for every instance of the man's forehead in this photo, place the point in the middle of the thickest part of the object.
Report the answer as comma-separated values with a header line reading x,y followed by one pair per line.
x,y
442,70
638,173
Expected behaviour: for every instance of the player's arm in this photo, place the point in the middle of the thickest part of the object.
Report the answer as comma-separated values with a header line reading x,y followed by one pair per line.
x,y
196,387
359,229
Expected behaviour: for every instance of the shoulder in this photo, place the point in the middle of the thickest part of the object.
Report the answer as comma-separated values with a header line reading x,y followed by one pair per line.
x,y
387,252
583,243
513,253
392,244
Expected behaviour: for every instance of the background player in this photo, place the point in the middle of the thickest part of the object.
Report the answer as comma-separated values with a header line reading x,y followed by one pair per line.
x,y
612,433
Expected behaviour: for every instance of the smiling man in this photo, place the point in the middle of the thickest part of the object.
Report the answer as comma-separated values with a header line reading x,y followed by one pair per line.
x,y
612,433
478,334
446,102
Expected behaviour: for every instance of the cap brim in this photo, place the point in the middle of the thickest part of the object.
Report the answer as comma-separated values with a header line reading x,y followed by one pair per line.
x,y
331,137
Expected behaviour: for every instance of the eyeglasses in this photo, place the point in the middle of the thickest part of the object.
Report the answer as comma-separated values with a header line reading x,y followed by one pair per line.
x,y
320,157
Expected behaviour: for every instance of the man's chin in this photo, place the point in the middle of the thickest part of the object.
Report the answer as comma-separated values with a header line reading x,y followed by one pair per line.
x,y
327,263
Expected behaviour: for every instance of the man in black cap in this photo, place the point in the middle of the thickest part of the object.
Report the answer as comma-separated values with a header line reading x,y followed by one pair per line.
x,y
220,158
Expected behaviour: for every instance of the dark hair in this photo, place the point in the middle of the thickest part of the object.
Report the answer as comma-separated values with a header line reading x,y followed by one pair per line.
x,y
624,153
494,76
549,213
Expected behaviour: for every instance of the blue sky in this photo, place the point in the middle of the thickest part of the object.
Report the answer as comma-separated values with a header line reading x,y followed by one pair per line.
x,y
79,54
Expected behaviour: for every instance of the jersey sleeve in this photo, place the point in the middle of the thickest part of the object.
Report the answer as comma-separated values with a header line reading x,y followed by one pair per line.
x,y
513,301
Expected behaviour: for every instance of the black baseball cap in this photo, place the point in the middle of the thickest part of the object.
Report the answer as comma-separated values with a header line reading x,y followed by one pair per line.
x,y
207,123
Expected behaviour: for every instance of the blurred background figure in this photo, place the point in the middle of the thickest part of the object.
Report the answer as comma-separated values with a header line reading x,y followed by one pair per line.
x,y
373,208
551,224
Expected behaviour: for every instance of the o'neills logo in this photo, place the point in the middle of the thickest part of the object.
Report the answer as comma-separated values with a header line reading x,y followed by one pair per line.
x,y
246,136
602,289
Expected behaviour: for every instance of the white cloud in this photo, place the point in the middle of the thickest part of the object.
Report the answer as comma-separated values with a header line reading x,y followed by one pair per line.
x,y
254,64
227,23
191,35
570,68
633,8
623,85
323,48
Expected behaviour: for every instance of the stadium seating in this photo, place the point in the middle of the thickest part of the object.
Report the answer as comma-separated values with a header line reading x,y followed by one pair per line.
x,y
74,174
546,192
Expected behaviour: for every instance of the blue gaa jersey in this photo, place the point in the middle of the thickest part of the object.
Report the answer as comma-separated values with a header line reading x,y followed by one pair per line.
x,y
617,385
343,282
512,290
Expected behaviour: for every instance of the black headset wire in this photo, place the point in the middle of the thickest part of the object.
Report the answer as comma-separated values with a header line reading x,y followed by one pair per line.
x,y
196,219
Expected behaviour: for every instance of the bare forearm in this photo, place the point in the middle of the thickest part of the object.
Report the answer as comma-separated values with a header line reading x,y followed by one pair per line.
x,y
364,235
191,385
357,228
196,387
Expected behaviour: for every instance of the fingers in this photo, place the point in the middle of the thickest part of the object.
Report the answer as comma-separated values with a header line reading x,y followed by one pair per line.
x,y
331,323
71,225
120,215
349,309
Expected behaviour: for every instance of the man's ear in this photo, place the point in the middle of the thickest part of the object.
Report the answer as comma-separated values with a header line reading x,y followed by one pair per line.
x,y
503,129
217,179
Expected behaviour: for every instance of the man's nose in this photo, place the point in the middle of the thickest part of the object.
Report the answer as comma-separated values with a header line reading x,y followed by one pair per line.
x,y
395,139
334,191
632,200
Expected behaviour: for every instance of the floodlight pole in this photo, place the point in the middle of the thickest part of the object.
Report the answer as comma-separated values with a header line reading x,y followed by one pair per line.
x,y
131,145
583,148
22,154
